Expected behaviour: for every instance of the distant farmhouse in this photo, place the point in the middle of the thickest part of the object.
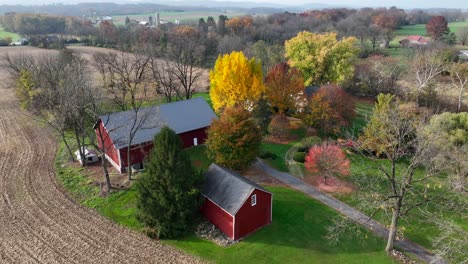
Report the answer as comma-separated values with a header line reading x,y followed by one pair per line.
x,y
189,119
235,204
414,40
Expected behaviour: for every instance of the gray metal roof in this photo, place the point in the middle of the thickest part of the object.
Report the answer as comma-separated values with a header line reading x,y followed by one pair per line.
x,y
228,189
180,116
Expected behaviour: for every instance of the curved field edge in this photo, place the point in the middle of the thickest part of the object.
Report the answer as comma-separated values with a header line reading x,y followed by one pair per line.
x,y
296,234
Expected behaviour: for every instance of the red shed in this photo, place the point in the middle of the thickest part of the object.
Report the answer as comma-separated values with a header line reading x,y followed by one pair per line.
x,y
235,204
189,119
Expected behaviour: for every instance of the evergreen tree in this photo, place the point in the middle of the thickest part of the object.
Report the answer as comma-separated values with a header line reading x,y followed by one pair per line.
x,y
168,193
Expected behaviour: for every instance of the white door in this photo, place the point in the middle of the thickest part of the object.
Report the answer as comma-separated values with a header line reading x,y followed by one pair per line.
x,y
195,141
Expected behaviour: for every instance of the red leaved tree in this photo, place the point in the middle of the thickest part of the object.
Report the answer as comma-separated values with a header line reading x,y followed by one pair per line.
x,y
341,102
436,27
330,108
284,85
327,160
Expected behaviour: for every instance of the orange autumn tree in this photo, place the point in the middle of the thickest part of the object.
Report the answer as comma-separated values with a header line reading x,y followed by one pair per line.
x,y
235,81
284,86
234,139
330,109
327,160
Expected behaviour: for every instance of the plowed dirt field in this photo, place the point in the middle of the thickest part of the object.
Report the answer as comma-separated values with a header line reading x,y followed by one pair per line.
x,y
39,223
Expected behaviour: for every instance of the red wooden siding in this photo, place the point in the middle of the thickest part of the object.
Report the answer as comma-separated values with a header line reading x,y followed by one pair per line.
x,y
187,137
250,218
218,217
139,152
109,147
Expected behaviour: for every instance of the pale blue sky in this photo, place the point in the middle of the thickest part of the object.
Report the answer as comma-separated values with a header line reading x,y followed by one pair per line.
x,y
463,4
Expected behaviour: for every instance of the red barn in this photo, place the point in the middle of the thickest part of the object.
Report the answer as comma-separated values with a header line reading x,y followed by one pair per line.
x,y
189,119
235,204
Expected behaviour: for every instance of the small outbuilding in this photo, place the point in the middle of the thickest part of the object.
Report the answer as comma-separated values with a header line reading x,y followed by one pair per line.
x,y
90,155
235,204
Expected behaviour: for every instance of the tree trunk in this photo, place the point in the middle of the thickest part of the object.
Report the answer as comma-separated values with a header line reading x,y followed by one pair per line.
x,y
70,152
106,173
393,229
129,167
460,96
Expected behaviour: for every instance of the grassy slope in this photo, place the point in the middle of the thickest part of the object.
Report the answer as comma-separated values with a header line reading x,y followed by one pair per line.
x,y
295,236
415,227
363,112
13,36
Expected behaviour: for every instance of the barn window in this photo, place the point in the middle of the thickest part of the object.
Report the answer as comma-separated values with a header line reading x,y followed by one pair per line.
x,y
253,200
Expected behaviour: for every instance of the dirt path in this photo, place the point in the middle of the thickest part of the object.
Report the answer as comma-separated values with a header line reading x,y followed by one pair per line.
x,y
374,226
39,223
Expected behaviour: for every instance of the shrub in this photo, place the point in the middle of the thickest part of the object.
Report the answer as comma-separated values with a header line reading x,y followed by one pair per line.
x,y
299,157
303,149
268,155
310,141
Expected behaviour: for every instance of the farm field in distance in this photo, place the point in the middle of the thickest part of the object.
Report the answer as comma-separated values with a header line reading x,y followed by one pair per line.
x,y
172,16
420,29
4,34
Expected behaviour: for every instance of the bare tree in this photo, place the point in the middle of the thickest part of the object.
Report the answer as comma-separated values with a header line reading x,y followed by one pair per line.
x,y
46,84
127,78
98,138
394,132
375,35
379,74
459,77
184,55
124,76
166,82
462,35
424,65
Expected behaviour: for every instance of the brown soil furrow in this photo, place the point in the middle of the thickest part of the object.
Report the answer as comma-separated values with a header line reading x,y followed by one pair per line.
x,y
39,223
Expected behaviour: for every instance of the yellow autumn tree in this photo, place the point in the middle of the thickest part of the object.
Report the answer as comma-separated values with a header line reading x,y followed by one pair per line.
x,y
321,57
235,81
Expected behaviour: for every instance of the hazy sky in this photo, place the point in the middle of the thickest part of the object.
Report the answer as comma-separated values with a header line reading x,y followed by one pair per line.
x,y
463,4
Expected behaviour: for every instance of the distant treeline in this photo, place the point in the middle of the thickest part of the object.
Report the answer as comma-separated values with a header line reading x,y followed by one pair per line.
x,y
105,9
259,36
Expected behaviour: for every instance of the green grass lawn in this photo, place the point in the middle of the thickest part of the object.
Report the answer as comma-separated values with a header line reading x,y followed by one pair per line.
x,y
364,110
279,150
13,36
296,234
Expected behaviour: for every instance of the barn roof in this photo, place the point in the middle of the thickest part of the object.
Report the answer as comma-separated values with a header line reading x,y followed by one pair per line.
x,y
180,116
228,189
